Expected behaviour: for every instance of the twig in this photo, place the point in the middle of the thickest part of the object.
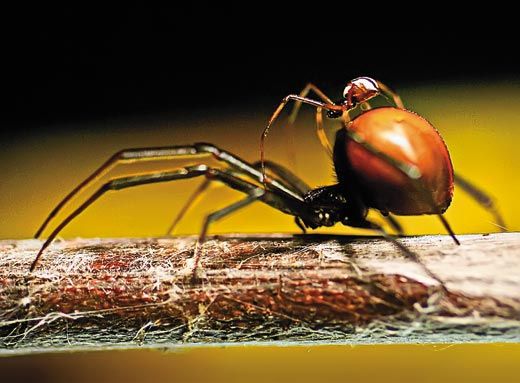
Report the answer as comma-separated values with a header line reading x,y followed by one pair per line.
x,y
124,293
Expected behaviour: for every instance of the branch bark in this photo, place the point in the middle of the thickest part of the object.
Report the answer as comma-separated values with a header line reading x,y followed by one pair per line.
x,y
124,293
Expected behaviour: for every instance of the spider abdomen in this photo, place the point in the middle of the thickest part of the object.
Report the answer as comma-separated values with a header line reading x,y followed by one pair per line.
x,y
410,139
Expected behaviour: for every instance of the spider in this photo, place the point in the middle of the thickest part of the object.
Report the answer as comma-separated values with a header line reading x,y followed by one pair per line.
x,y
385,158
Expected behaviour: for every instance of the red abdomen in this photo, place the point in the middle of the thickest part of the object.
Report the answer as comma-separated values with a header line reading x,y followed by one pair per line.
x,y
409,138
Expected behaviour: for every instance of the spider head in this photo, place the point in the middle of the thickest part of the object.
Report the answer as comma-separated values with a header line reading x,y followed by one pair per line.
x,y
359,90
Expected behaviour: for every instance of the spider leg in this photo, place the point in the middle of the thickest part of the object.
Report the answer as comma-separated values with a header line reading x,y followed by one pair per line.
x,y
190,202
482,198
389,94
298,221
321,130
394,223
278,200
294,114
254,195
285,177
276,114
304,93
160,153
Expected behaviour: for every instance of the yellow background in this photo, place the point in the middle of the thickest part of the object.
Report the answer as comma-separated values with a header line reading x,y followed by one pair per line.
x,y
480,124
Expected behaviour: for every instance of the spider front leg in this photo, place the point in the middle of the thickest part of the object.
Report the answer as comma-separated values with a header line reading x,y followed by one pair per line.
x,y
117,184
158,153
279,200
121,157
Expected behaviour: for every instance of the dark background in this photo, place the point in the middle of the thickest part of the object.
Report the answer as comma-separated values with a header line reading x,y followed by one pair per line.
x,y
80,64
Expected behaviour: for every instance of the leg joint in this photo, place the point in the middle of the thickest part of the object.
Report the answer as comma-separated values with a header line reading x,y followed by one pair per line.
x,y
204,147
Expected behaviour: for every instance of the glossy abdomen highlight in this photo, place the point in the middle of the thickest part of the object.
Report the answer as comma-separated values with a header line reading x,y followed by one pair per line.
x,y
407,137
